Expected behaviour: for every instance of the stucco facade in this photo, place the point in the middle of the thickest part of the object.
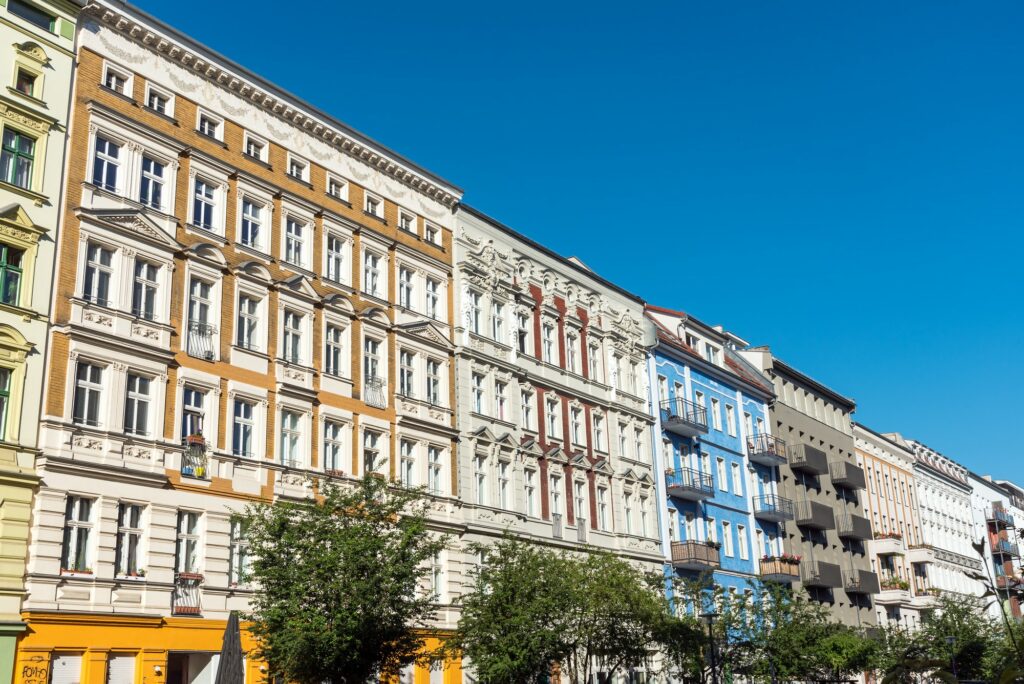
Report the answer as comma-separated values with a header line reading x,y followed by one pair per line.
x,y
38,44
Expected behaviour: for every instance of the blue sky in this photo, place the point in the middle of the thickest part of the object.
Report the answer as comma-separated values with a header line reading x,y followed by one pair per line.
x,y
841,181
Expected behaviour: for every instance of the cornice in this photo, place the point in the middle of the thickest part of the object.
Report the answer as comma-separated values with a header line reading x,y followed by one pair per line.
x,y
206,64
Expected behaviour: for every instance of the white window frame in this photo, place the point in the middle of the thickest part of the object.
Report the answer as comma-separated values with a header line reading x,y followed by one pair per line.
x,y
264,147
373,205
342,185
217,121
291,435
78,531
160,92
126,75
301,163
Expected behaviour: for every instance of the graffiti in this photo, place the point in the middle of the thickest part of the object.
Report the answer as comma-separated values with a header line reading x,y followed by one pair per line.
x,y
35,673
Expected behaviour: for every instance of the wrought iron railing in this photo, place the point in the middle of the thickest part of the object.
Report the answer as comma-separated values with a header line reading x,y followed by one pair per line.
x,y
773,505
373,393
195,460
689,479
187,596
684,410
762,448
201,343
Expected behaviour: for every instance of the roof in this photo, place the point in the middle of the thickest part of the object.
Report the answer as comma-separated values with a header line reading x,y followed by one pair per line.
x,y
808,380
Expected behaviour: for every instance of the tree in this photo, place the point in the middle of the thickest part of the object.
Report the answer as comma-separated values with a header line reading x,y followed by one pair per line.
x,y
339,581
957,629
531,608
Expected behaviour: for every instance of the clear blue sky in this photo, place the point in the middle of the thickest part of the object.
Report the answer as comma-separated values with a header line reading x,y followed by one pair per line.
x,y
841,181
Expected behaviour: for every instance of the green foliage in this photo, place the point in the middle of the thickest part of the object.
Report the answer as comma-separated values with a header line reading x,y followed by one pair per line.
x,y
339,582
531,607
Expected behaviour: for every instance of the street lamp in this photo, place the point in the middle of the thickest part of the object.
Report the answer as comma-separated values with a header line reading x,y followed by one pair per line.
x,y
710,617
950,640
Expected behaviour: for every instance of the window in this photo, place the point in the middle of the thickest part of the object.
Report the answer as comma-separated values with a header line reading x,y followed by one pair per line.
x,y
371,359
32,15
498,322
371,274
105,166
238,562
698,398
552,416
371,451
406,379
434,469
255,148
293,336
334,448
248,322
337,189
711,354
186,550
478,393
374,207
638,445
406,222
11,261
572,353
294,241
748,424
88,392
297,169
158,102
475,311
633,378
712,530
75,555
98,271
602,508
526,409
580,501
199,301
730,419
252,222
723,484
727,548
576,425
152,183
531,491
433,298
737,480
193,412
335,351
432,234
741,534
335,259
291,438
522,332
645,522
716,416
209,126
204,204
599,443
242,429
25,83
136,405
548,342
556,495
129,536
480,477
17,158
504,484
434,382
623,440
5,397
627,511
144,290
405,287
407,463
594,358
116,81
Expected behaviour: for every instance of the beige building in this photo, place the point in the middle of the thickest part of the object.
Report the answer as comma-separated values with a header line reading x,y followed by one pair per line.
x,y
898,552
38,42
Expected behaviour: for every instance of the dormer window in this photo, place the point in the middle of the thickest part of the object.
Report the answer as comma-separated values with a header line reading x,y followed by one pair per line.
x,y
711,354
25,83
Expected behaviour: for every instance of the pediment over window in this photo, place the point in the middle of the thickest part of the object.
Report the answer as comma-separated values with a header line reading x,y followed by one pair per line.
x,y
208,252
17,225
340,302
13,345
427,331
601,466
579,460
483,434
137,225
299,284
555,453
254,269
631,475
531,448
375,314
33,51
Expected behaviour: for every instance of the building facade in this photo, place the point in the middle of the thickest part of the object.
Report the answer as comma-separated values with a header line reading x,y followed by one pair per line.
x,y
995,527
248,293
897,549
39,43
826,485
724,514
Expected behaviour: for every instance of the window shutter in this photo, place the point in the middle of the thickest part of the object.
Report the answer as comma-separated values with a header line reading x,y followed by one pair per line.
x,y
66,668
121,669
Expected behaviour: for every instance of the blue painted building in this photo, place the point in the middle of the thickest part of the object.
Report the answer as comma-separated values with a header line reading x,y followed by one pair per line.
x,y
721,511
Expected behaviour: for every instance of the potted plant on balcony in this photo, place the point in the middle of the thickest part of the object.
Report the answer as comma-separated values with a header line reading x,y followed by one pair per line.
x,y
713,544
191,576
196,439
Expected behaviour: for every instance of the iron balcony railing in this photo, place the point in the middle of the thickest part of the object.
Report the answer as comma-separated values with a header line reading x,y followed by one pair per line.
x,y
195,460
187,596
1000,517
773,508
1005,548
201,340
374,394
684,417
766,450
556,525
688,483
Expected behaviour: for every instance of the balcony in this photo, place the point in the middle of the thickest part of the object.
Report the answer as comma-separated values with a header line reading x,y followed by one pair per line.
x,y
999,517
846,474
195,460
814,515
853,526
683,417
689,484
820,574
766,450
202,340
888,544
1003,547
892,591
187,597
374,394
860,582
780,570
773,508
921,553
695,555
808,459
1007,582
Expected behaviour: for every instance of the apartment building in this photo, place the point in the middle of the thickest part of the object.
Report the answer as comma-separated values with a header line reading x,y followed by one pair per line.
x,y
822,478
995,518
39,44
553,410
897,549
724,515
248,292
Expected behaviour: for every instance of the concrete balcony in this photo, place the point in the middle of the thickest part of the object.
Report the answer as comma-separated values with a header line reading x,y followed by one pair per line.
x,y
780,570
689,484
860,582
814,515
773,508
853,526
695,555
846,474
893,591
808,459
683,417
887,545
821,575
921,553
766,450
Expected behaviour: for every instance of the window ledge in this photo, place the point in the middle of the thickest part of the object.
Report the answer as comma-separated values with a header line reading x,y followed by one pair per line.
x,y
166,117
287,265
300,181
22,312
253,251
206,136
36,197
257,161
340,200
30,98
248,350
122,96
375,217
206,232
